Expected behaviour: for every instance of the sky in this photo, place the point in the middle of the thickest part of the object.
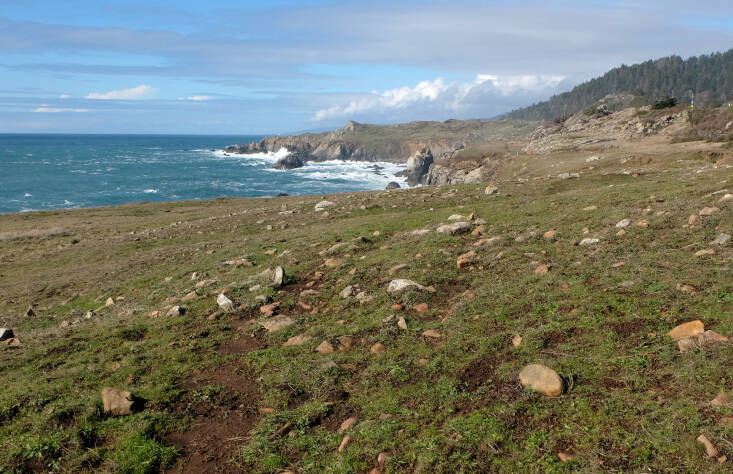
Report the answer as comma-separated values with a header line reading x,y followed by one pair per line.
x,y
283,66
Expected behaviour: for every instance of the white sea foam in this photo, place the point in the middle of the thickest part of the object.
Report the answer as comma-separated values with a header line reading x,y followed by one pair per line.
x,y
27,195
255,158
150,191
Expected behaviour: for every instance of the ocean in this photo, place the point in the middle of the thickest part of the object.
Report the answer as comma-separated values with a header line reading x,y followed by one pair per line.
x,y
42,172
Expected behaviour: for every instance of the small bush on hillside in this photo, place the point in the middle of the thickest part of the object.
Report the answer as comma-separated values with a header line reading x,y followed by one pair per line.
x,y
665,103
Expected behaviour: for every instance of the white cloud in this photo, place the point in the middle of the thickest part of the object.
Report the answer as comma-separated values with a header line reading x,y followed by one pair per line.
x,y
55,110
140,92
64,96
198,98
441,97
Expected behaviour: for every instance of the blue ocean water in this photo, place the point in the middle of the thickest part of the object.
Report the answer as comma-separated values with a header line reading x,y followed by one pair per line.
x,y
71,171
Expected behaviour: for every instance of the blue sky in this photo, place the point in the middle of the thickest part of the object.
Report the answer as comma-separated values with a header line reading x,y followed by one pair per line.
x,y
259,67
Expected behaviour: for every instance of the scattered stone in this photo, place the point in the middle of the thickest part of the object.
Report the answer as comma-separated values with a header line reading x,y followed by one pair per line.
x,y
297,340
642,224
432,333
276,323
194,276
401,323
693,219
403,284
517,340
710,449
155,314
377,348
689,329
333,262
721,399
176,311
190,296
701,340
588,241
568,176
550,235
323,205
593,158
590,208
422,361
344,443
398,307
325,348
225,303
482,242
687,289
726,198
269,309
204,283
621,233
455,228
565,457
348,423
721,239
542,379
708,211
345,343
392,185
239,262
421,308
703,252
623,223
542,270
90,314
13,342
348,292
29,313
110,301
491,190
397,268
6,333
458,217
214,316
116,402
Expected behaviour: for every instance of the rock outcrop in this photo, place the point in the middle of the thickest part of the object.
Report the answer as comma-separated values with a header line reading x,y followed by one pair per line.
x,y
418,166
290,162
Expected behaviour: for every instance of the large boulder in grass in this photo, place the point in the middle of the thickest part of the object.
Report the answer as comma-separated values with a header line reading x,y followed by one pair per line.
x,y
541,379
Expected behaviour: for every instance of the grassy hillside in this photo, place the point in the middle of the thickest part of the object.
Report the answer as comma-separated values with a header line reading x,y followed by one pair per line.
x,y
219,391
709,77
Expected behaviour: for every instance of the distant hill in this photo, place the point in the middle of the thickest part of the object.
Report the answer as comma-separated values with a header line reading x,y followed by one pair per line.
x,y
710,77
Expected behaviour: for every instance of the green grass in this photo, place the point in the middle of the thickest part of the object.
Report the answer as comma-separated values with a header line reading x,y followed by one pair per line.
x,y
633,401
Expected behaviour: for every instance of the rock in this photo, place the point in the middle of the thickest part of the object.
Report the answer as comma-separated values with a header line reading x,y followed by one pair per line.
x,y
323,205
421,308
517,340
542,270
289,162
333,262
565,457
708,211
688,329
214,316
116,402
377,348
392,185
455,228
325,348
623,223
298,340
269,309
401,323
491,190
590,208
418,166
278,277
542,379
276,323
176,311
687,289
432,333
6,333
701,340
457,217
347,423
29,313
190,296
348,292
482,242
550,235
345,342
13,342
194,276
593,158
568,176
225,303
721,239
642,224
204,283
704,252
344,443
110,301
396,268
726,198
710,449
588,241
693,219
720,400
403,284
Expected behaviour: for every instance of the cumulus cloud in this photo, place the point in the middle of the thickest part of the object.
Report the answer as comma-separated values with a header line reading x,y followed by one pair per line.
x,y
135,93
198,98
56,110
439,96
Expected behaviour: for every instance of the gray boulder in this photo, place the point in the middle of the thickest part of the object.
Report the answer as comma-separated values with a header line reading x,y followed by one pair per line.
x,y
393,185
289,162
418,166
